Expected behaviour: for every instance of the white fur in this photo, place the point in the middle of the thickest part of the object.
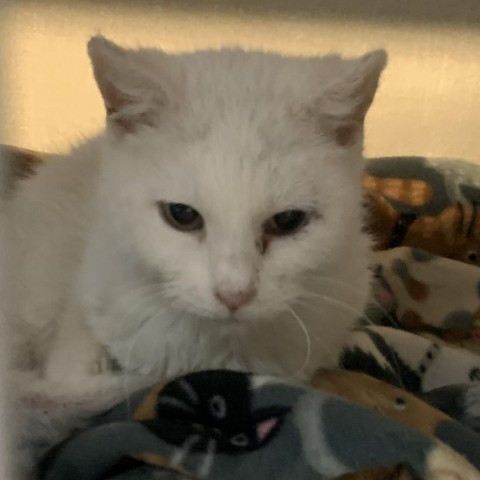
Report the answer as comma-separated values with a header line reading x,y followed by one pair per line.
x,y
240,137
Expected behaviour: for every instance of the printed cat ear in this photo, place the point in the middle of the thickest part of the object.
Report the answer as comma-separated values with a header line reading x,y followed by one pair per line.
x,y
344,105
268,422
131,96
265,428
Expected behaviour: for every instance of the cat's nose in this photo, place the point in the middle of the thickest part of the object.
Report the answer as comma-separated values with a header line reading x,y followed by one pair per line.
x,y
235,299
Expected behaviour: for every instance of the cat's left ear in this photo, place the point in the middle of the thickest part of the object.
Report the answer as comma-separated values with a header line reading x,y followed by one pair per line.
x,y
132,96
344,105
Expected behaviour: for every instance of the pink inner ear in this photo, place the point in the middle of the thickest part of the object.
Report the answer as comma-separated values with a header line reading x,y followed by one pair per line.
x,y
264,428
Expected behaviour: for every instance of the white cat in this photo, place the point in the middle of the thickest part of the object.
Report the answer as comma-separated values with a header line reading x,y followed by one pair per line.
x,y
217,222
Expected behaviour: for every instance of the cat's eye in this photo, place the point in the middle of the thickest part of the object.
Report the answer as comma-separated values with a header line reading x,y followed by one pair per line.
x,y
286,223
218,406
180,216
239,440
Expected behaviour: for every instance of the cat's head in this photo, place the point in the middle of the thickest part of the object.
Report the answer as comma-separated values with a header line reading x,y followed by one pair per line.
x,y
231,176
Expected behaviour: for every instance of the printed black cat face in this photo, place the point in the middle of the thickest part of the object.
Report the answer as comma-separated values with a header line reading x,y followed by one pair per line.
x,y
216,407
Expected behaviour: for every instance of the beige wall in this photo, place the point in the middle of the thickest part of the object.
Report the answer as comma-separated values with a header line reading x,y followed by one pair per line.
x,y
5,437
429,101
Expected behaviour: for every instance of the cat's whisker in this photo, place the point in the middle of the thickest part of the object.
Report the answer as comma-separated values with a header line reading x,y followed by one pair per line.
x,y
125,377
331,352
345,306
301,370
361,314
126,305
155,291
353,289
139,305
132,308
144,283
131,347
330,280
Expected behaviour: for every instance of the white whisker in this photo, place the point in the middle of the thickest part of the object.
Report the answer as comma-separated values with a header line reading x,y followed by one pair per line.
x,y
301,370
352,288
128,358
351,309
138,299
332,353
341,304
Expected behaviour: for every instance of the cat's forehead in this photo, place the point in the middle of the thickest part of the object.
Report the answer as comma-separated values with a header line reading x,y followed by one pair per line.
x,y
235,132
235,72
230,168
238,164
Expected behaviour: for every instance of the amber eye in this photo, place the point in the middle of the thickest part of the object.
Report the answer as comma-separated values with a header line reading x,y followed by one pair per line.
x,y
181,216
285,223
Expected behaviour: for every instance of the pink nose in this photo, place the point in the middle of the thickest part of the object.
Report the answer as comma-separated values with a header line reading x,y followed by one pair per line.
x,y
235,299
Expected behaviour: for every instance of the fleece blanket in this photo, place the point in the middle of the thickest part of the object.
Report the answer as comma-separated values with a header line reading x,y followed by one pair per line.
x,y
404,401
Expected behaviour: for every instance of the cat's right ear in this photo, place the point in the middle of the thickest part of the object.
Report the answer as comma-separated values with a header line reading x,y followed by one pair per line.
x,y
131,96
343,105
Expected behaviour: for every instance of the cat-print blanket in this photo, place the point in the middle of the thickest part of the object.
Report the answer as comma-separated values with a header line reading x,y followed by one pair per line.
x,y
416,414
232,425
403,404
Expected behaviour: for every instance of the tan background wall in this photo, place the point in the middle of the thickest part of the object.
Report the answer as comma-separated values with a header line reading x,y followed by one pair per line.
x,y
429,103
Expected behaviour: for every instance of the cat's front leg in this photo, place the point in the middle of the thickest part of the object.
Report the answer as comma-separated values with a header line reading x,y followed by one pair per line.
x,y
75,353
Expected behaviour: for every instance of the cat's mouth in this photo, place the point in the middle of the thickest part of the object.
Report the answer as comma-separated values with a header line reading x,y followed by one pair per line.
x,y
231,322
219,319
231,319
224,317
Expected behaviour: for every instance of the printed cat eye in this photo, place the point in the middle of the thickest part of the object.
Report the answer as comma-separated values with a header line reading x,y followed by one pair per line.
x,y
286,223
181,217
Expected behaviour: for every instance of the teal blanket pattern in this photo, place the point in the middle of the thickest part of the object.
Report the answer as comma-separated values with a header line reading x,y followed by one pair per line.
x,y
232,425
